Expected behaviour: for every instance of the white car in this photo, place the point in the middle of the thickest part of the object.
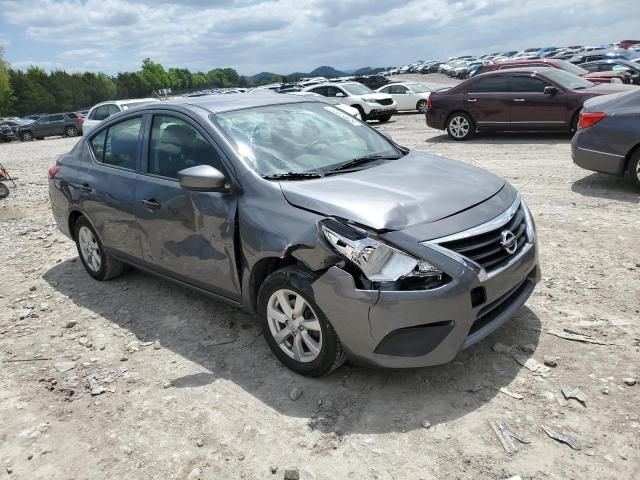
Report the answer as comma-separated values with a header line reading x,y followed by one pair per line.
x,y
371,105
408,95
104,110
345,108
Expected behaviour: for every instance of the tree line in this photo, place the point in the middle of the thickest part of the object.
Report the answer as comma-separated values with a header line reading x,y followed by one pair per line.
x,y
38,91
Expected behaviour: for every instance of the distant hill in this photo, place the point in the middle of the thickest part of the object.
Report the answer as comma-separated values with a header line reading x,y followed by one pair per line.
x,y
328,72
261,76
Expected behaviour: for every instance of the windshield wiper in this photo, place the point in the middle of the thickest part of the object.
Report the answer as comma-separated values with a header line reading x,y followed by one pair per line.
x,y
291,176
360,161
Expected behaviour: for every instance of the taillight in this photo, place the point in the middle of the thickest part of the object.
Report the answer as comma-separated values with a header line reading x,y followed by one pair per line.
x,y
588,119
53,171
429,104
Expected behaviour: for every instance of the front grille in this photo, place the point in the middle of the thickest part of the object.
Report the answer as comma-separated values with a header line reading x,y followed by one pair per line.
x,y
492,311
486,248
385,101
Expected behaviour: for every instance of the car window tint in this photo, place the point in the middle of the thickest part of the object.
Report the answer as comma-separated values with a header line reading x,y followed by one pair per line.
x,y
176,145
333,91
489,84
590,68
527,84
399,89
55,118
112,109
385,90
42,120
324,91
118,146
102,112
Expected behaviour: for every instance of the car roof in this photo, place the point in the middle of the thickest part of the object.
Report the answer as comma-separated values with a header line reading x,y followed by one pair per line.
x,y
226,103
516,70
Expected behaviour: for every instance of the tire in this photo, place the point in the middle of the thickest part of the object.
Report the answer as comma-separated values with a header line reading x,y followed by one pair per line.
x,y
99,264
26,136
633,170
4,191
456,126
385,119
422,106
363,116
71,131
289,284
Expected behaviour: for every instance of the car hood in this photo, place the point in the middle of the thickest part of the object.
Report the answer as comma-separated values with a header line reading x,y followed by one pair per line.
x,y
607,88
417,188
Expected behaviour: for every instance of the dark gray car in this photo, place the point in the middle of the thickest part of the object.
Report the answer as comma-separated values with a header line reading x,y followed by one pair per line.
x,y
344,244
608,137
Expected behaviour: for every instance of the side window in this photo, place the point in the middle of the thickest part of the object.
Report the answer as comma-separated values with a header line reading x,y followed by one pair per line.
x,y
399,89
385,90
118,145
590,68
176,145
523,84
43,120
321,91
100,113
112,109
489,85
333,91
56,118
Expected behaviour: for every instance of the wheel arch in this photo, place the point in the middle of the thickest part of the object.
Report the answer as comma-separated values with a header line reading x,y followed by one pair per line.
x,y
627,160
260,271
74,216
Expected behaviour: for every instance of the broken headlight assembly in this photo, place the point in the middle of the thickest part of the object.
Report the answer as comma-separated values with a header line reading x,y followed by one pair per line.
x,y
380,263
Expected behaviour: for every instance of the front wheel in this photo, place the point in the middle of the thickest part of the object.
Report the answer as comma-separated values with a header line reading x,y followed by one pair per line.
x,y
97,262
422,106
460,126
363,116
71,131
293,325
26,136
634,169
385,119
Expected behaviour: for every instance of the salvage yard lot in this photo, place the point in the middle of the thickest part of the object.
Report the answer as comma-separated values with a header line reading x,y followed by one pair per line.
x,y
168,384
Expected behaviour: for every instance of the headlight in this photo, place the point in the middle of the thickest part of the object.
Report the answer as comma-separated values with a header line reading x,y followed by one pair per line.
x,y
379,262
531,232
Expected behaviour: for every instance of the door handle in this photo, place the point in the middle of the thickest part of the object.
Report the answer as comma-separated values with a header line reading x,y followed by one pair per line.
x,y
85,187
472,100
151,204
518,99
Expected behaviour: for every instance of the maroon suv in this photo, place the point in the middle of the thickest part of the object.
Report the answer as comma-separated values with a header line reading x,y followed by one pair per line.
x,y
514,99
595,77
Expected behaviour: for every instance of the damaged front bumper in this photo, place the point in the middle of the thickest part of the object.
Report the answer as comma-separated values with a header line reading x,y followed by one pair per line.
x,y
405,329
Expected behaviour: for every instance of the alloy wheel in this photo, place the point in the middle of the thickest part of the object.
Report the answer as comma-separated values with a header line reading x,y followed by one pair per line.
x,y
459,127
422,106
89,249
294,325
71,132
27,137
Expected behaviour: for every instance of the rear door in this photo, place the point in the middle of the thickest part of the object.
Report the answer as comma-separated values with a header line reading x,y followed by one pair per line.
x,y
532,108
105,184
186,235
56,125
403,97
487,100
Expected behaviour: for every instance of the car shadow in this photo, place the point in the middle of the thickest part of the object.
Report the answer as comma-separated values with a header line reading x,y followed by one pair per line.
x,y
610,187
500,138
226,343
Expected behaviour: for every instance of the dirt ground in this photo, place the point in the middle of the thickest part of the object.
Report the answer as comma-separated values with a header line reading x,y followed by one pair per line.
x,y
140,379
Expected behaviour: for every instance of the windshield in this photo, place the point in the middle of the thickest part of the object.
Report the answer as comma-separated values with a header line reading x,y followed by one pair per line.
x,y
566,79
356,89
300,138
419,88
571,68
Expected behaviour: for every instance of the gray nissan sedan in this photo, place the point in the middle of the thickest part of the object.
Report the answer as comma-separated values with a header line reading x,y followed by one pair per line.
x,y
343,243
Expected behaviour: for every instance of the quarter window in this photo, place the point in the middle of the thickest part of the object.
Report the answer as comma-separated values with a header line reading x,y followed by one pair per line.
x,y
522,84
118,145
176,145
489,85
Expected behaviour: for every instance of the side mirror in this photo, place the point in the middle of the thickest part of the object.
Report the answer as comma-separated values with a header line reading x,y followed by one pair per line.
x,y
549,90
203,178
340,95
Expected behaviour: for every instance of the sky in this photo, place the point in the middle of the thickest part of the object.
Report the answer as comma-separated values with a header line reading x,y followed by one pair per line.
x,y
285,36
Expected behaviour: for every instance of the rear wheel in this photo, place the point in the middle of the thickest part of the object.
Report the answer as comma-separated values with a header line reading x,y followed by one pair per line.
x,y
634,168
385,119
4,191
71,131
26,136
460,126
293,325
97,262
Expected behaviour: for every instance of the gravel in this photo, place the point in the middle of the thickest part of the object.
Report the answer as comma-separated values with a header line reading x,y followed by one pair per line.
x,y
370,422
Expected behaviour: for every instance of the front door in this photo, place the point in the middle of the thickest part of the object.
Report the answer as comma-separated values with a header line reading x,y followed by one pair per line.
x,y
56,125
487,100
403,97
531,108
187,235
